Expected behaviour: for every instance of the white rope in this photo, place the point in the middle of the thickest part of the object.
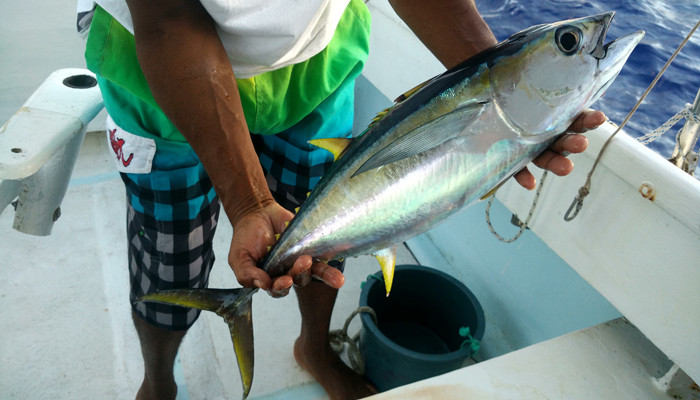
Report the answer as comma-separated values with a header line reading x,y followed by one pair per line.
x,y
685,113
523,224
339,338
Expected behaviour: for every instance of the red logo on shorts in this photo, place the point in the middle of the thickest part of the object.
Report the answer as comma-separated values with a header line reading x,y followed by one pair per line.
x,y
117,145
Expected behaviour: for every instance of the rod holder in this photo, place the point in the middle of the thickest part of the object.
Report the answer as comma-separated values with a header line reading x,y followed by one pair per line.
x,y
39,145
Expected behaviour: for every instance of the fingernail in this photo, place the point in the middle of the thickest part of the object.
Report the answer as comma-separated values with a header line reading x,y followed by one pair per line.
x,y
279,293
302,279
257,283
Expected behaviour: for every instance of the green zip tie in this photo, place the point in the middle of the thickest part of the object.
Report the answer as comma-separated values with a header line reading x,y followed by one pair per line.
x,y
473,344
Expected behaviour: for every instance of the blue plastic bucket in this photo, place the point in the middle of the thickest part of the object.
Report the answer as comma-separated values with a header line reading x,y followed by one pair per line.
x,y
421,326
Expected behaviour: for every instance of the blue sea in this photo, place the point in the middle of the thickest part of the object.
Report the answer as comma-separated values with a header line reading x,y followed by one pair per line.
x,y
666,25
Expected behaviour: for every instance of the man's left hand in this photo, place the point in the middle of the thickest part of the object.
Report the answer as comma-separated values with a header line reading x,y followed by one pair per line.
x,y
554,158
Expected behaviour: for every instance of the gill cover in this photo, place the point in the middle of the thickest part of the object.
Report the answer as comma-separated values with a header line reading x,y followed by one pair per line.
x,y
579,67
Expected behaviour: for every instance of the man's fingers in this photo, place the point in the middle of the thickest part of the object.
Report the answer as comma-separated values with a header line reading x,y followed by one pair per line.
x,y
570,143
587,120
554,162
525,179
301,271
329,275
281,286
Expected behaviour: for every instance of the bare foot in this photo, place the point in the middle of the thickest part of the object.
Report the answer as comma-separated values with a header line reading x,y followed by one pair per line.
x,y
337,379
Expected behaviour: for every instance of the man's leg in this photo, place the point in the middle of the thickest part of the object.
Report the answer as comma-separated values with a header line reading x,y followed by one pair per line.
x,y
312,349
159,349
170,247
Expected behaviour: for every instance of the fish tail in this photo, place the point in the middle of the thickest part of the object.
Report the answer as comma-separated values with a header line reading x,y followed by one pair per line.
x,y
234,306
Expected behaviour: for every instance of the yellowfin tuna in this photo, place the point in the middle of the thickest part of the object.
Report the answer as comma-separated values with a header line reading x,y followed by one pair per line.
x,y
443,146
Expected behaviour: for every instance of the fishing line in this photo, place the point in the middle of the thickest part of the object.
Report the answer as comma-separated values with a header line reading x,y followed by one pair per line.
x,y
585,190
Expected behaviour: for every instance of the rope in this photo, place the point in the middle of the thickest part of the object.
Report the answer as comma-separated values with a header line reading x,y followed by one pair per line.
x,y
685,113
523,225
585,190
339,338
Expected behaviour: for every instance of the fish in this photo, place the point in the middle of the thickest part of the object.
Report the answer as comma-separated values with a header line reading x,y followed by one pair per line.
x,y
442,146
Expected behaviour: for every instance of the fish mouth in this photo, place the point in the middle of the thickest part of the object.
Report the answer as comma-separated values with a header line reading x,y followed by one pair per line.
x,y
604,20
618,48
617,51
611,57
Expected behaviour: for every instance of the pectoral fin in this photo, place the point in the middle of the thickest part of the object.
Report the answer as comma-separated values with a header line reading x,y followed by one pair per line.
x,y
387,260
425,137
234,306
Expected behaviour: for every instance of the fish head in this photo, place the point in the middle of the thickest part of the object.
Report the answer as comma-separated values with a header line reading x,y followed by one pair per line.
x,y
544,76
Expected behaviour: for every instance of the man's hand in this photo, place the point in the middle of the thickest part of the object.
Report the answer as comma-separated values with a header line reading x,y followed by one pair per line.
x,y
252,234
554,158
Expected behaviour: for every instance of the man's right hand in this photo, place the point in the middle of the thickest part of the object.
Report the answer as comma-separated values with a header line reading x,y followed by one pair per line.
x,y
252,234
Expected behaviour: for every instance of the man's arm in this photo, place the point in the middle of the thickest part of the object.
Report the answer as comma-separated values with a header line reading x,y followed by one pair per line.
x,y
191,78
453,30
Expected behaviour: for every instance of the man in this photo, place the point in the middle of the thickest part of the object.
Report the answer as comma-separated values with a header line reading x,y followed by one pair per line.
x,y
180,125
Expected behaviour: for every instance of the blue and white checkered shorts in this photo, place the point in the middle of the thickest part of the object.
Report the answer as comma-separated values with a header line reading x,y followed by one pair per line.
x,y
172,212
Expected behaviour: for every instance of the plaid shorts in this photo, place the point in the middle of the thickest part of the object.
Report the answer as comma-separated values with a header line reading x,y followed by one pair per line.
x,y
168,254
172,212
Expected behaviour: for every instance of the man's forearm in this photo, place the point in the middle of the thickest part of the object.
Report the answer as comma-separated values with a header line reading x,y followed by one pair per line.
x,y
191,78
452,30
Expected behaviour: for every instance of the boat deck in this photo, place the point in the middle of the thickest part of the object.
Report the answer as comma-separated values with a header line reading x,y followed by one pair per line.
x,y
67,330
67,322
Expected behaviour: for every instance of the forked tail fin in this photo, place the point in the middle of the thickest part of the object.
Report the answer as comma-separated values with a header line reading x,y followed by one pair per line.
x,y
234,306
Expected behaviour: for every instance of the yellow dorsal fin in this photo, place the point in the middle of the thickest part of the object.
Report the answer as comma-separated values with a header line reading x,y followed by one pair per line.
x,y
387,260
335,145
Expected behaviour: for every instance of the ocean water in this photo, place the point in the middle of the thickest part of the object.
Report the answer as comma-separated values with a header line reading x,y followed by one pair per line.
x,y
666,25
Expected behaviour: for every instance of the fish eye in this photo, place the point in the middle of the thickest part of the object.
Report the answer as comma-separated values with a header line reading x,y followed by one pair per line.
x,y
568,39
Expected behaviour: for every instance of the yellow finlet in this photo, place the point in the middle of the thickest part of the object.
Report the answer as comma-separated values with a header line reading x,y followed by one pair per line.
x,y
277,236
335,145
379,115
296,210
387,260
286,224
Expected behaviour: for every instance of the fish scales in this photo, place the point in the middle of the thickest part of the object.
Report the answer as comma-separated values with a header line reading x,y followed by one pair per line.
x,y
350,215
